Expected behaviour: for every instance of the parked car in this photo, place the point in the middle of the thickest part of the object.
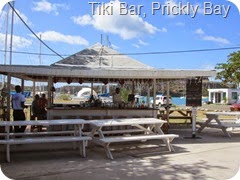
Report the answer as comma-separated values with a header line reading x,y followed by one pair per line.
x,y
161,101
235,107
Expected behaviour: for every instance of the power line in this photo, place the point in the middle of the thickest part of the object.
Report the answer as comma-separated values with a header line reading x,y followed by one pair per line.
x,y
33,31
143,53
184,51
34,53
116,54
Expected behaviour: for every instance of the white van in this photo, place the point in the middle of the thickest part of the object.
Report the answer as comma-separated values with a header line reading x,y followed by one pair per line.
x,y
161,101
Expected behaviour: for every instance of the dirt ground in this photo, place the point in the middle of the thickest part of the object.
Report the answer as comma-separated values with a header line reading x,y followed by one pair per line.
x,y
211,156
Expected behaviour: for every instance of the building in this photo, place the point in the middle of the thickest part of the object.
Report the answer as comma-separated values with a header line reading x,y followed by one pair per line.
x,y
223,95
98,64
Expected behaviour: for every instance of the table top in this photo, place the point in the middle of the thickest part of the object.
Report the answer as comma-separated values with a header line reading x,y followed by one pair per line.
x,y
43,122
224,113
176,110
128,121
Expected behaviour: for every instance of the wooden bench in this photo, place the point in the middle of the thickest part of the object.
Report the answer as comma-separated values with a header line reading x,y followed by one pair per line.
x,y
39,133
53,139
114,132
224,125
167,138
160,116
45,137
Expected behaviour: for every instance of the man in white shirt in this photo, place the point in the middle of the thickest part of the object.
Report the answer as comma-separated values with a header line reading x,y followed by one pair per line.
x,y
18,106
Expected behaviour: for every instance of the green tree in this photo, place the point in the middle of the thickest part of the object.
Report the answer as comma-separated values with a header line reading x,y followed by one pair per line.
x,y
230,72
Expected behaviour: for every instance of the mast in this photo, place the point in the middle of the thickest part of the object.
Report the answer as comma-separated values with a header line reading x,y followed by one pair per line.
x,y
6,42
40,51
40,59
11,39
9,78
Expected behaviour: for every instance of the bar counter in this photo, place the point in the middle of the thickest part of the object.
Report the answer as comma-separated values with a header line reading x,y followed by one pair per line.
x,y
76,112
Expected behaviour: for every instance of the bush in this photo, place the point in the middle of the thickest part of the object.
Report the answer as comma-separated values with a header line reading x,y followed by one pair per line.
x,y
65,97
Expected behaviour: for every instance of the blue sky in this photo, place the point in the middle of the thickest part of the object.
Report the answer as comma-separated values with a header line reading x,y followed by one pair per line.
x,y
69,26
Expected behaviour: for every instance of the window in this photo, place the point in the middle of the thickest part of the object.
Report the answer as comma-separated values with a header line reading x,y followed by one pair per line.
x,y
212,95
166,98
224,95
234,95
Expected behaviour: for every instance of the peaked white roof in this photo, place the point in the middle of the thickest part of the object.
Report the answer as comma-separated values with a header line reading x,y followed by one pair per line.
x,y
98,62
99,56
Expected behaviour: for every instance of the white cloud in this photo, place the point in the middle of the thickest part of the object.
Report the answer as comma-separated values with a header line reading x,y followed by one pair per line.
x,y
126,26
180,24
139,44
142,42
136,45
162,30
58,37
83,20
16,18
47,7
215,39
18,41
199,31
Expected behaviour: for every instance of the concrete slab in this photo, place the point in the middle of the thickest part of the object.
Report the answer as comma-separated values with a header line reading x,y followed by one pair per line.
x,y
214,156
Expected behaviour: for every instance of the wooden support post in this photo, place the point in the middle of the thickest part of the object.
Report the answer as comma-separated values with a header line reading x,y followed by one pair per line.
x,y
8,96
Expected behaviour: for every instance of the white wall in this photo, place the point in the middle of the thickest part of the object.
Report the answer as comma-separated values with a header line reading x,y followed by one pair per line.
x,y
217,95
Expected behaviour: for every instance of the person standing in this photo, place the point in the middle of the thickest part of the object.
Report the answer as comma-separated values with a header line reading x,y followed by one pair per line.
x,y
35,107
18,106
117,99
35,110
43,102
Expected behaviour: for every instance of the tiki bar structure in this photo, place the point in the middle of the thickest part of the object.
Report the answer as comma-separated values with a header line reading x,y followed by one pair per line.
x,y
97,64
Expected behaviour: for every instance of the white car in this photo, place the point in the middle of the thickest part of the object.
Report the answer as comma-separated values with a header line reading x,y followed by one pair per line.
x,y
161,101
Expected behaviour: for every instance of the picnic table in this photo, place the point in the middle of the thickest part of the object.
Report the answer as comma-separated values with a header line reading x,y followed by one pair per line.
x,y
216,120
146,128
10,138
176,114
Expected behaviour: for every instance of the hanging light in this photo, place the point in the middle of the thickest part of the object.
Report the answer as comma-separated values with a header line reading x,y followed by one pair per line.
x,y
121,81
55,79
80,80
105,81
69,80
